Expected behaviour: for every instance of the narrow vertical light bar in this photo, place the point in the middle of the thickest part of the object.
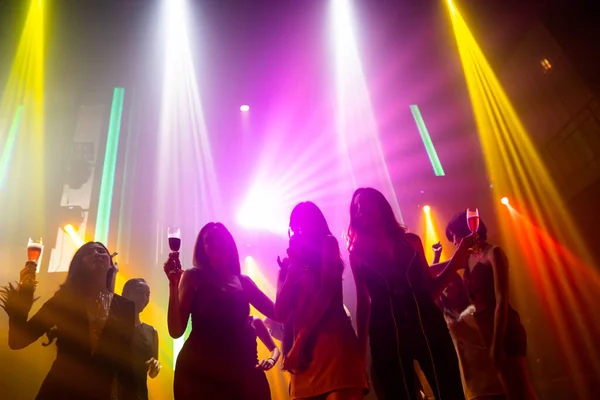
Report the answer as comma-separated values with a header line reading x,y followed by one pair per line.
x,y
429,147
9,145
125,208
108,170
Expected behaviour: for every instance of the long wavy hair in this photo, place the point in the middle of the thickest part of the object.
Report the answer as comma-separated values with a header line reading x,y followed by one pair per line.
x,y
310,221
201,260
75,285
390,224
76,282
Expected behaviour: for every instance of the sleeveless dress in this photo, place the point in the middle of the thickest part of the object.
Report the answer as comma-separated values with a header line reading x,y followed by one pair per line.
x,y
479,376
336,361
218,359
406,325
142,351
479,283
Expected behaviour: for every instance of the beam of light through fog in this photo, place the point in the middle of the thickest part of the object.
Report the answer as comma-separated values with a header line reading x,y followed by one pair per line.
x,y
356,125
105,197
188,195
23,97
187,184
9,145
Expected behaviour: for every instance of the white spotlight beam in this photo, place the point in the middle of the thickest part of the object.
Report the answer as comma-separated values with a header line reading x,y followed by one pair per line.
x,y
356,125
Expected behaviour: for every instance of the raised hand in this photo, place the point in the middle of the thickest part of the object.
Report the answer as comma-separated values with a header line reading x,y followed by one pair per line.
x,y
173,268
28,274
283,264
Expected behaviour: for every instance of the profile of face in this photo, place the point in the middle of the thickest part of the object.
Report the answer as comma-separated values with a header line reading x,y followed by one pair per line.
x,y
95,262
367,212
215,247
140,295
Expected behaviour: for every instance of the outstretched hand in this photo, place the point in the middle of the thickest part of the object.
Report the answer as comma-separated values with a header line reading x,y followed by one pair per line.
x,y
283,264
437,247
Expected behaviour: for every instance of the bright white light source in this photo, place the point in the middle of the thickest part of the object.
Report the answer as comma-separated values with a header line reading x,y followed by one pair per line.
x,y
504,201
426,209
263,210
245,108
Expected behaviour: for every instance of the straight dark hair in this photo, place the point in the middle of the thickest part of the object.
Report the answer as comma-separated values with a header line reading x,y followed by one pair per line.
x,y
200,258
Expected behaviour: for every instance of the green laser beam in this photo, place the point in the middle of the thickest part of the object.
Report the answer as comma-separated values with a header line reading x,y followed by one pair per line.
x,y
109,168
429,147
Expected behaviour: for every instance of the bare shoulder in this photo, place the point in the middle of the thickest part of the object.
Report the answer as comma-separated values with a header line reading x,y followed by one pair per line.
x,y
496,254
247,282
413,239
192,277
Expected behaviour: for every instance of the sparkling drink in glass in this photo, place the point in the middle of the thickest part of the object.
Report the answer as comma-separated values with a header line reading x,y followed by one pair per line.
x,y
473,224
473,220
34,250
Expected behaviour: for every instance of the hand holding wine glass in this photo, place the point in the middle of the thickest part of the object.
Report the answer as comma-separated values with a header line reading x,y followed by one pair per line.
x,y
34,250
473,224
28,274
172,267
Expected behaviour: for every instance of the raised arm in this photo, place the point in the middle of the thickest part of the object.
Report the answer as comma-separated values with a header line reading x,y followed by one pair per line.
x,y
17,302
458,260
181,294
23,332
263,334
500,267
437,252
257,298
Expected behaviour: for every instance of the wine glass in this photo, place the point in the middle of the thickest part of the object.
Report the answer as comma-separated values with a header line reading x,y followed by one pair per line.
x,y
473,224
174,237
34,250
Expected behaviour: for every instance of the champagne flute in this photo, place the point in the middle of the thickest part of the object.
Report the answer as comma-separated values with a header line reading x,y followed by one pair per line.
x,y
473,224
34,250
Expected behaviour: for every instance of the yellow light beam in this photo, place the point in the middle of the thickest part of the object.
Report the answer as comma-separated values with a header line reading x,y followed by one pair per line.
x,y
25,86
517,169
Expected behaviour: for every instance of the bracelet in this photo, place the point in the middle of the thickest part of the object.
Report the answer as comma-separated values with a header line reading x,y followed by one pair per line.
x,y
272,359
